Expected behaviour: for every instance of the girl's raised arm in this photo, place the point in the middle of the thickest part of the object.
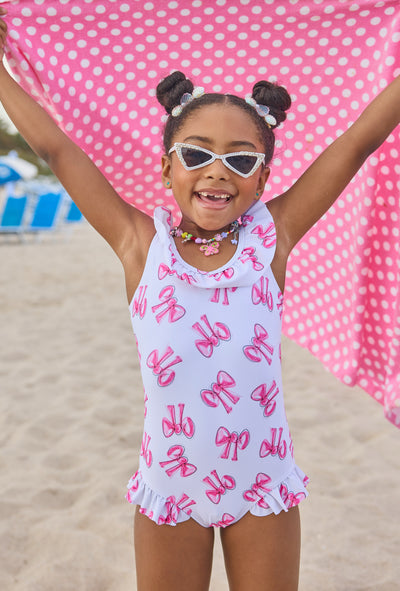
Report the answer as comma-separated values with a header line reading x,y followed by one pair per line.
x,y
296,211
118,222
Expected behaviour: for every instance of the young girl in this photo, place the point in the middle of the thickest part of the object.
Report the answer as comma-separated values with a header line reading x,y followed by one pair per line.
x,y
206,303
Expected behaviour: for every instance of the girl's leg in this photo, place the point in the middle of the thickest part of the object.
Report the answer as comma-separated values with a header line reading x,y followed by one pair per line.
x,y
263,553
172,558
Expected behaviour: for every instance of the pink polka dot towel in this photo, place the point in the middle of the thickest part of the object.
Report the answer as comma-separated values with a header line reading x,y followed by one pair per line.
x,y
94,65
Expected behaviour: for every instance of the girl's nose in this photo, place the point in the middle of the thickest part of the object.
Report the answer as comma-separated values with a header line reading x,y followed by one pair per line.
x,y
216,170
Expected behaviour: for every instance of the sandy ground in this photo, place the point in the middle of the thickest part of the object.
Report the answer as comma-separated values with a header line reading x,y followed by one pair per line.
x,y
71,421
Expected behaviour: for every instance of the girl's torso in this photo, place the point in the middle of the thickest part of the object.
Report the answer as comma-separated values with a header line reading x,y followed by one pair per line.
x,y
209,347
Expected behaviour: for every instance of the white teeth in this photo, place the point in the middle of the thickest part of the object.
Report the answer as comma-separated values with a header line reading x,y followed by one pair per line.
x,y
202,194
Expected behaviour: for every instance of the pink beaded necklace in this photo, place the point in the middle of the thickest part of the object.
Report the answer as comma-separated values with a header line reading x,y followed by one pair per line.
x,y
210,246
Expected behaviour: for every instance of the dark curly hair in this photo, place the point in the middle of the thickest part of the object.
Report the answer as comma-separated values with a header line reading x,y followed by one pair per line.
x,y
171,89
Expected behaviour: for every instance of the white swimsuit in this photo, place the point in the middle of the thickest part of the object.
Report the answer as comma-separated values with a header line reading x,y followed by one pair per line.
x,y
216,442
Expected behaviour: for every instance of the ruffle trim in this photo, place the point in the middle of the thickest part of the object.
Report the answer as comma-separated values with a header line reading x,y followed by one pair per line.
x,y
244,265
158,508
289,493
170,510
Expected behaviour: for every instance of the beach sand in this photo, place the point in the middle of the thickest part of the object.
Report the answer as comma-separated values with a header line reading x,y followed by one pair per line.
x,y
71,425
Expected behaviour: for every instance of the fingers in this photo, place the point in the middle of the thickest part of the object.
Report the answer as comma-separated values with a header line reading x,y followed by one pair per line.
x,y
3,37
3,27
3,34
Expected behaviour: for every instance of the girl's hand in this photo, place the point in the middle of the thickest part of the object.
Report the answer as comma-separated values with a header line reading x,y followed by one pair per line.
x,y
3,32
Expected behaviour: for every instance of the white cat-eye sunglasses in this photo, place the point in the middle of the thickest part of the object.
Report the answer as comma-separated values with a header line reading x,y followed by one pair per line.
x,y
242,163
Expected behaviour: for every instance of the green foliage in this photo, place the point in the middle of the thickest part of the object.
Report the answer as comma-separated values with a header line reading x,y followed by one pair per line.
x,y
15,141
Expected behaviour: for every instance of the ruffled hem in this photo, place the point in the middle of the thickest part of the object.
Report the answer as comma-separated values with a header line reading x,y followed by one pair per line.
x,y
289,493
158,508
170,510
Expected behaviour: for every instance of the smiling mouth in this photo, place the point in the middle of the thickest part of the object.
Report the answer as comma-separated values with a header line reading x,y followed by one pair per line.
x,y
214,198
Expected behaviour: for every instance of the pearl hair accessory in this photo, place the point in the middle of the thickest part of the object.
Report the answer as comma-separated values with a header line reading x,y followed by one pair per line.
x,y
198,91
262,110
187,98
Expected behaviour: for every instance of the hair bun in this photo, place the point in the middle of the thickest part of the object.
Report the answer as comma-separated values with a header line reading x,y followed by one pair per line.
x,y
273,96
171,89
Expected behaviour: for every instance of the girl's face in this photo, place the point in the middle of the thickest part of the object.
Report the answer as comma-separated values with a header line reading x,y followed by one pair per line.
x,y
212,197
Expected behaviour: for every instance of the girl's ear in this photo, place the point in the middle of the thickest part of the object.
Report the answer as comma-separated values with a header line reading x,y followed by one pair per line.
x,y
166,171
262,181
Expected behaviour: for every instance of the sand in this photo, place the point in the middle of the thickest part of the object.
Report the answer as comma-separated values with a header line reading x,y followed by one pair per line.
x,y
71,421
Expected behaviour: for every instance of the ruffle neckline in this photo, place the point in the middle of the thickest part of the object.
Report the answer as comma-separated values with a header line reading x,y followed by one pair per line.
x,y
257,230
170,510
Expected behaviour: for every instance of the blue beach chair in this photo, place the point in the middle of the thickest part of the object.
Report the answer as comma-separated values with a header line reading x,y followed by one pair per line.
x,y
46,213
73,214
12,216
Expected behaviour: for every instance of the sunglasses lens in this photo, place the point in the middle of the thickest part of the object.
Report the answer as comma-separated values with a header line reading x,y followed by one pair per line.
x,y
193,157
242,163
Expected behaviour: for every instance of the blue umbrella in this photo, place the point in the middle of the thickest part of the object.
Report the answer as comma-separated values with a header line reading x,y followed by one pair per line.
x,y
13,168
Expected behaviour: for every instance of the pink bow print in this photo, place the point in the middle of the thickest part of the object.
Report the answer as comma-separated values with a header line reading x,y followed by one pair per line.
x,y
257,490
219,389
247,219
226,273
178,462
169,306
268,235
274,448
226,520
217,293
247,254
261,294
279,304
224,437
219,487
172,255
266,398
183,425
164,271
134,485
218,332
289,498
144,449
147,512
169,215
174,507
164,373
260,347
140,302
137,347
